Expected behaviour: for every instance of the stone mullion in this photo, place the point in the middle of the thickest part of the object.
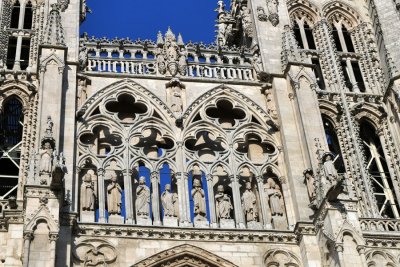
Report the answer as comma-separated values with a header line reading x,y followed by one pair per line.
x,y
303,34
155,181
181,198
211,202
237,203
266,212
101,197
182,183
187,202
130,219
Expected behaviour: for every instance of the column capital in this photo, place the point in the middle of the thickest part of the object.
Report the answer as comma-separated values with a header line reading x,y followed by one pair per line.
x,y
361,249
339,247
53,236
28,235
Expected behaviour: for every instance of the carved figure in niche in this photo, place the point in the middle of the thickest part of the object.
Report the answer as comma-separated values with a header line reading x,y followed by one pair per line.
x,y
246,21
272,6
257,63
310,182
169,201
83,57
88,193
114,194
329,168
162,68
94,257
142,203
274,194
199,201
223,203
249,203
182,61
46,154
176,99
49,127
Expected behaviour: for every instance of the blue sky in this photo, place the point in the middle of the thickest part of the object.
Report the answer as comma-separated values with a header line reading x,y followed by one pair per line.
x,y
194,19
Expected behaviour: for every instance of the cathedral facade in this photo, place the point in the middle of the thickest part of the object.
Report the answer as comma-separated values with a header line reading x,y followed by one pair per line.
x,y
276,145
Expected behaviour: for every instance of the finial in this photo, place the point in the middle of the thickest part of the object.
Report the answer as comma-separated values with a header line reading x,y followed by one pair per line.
x,y
180,40
160,40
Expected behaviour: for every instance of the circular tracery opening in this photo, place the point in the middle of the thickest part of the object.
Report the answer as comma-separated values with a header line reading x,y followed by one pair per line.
x,y
225,113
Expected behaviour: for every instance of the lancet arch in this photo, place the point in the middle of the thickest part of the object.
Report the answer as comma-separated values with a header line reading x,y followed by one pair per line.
x,y
338,12
185,255
303,10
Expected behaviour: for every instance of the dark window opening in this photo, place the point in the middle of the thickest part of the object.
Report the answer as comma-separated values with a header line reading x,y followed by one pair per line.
x,y
336,39
318,73
12,48
358,76
28,16
11,124
26,43
15,15
347,39
347,80
309,36
333,144
297,34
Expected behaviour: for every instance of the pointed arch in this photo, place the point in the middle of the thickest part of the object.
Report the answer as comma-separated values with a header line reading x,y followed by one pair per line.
x,y
230,93
304,10
339,12
129,86
185,255
281,256
330,110
22,90
42,215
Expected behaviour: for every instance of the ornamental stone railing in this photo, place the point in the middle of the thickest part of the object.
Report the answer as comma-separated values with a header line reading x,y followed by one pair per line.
x,y
168,57
380,225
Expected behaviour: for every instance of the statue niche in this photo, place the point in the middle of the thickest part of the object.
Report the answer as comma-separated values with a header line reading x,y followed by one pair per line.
x,y
88,195
142,202
176,96
114,200
224,208
276,204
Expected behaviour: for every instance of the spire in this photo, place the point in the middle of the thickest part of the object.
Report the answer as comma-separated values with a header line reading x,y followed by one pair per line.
x,y
180,40
160,40
170,35
54,33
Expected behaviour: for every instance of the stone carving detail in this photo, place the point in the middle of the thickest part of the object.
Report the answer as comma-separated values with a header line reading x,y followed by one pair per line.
x,y
114,194
247,22
199,200
249,203
171,54
169,201
329,168
88,192
273,16
175,94
223,202
261,14
46,155
281,257
275,195
142,199
54,32
95,252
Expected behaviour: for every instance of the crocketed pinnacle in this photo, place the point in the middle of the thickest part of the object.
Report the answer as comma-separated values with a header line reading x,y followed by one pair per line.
x,y
54,33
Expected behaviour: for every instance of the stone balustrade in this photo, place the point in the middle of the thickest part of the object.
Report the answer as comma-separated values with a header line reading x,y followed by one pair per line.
x,y
380,225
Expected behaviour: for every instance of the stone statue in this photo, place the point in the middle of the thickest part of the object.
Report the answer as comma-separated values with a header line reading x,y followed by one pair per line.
x,y
223,203
199,201
176,99
94,257
49,127
114,194
169,201
261,14
83,57
246,21
88,194
161,64
310,182
46,154
272,6
257,63
171,55
329,168
249,203
142,203
274,194
182,62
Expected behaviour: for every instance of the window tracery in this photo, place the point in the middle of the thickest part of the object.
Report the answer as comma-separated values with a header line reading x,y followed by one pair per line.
x,y
145,175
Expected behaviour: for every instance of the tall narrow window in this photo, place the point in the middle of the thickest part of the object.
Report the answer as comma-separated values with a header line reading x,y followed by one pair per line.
x,y
15,15
318,73
333,144
28,16
297,34
336,38
309,36
347,39
12,48
25,53
378,170
346,75
358,76
11,126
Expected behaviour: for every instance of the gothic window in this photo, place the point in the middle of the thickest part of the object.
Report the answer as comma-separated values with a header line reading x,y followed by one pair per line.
x,y
304,34
11,127
19,39
318,73
379,172
333,144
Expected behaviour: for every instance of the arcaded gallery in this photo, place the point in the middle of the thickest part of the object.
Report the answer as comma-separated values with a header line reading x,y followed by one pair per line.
x,y
276,145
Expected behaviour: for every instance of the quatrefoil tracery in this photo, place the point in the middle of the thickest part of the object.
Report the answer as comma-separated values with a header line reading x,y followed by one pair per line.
x,y
126,107
225,113
206,145
257,150
101,140
152,142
